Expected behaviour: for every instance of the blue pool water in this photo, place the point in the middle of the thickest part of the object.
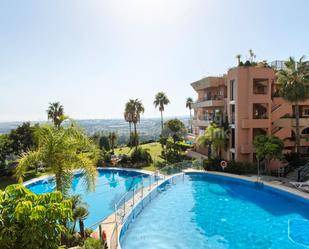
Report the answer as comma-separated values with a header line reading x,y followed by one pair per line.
x,y
110,186
207,211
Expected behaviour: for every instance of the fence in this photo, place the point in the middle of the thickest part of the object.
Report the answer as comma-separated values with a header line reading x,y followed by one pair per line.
x,y
128,201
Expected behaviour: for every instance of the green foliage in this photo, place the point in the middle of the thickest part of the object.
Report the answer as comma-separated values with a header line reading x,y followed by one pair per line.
x,y
184,146
104,143
62,150
32,221
55,113
233,167
112,137
91,243
141,156
268,148
174,129
214,138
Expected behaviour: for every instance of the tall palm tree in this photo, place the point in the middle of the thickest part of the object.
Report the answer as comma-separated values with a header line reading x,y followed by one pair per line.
x,y
62,150
293,83
189,103
112,137
128,116
134,108
55,113
160,101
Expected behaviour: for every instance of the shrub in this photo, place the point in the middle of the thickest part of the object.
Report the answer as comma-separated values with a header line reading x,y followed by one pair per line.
x,y
141,156
184,146
233,167
92,243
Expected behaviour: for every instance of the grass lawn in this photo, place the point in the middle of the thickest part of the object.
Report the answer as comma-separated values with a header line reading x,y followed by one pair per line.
x,y
154,150
6,180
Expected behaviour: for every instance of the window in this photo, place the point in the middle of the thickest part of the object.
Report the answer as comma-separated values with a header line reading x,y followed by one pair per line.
x,y
233,90
260,86
232,113
260,111
306,111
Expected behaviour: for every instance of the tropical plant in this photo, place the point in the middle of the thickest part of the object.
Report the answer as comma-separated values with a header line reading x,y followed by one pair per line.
x,y
128,116
62,150
160,101
91,243
55,113
135,108
104,143
268,148
293,82
112,137
80,213
214,137
189,103
32,221
252,55
141,156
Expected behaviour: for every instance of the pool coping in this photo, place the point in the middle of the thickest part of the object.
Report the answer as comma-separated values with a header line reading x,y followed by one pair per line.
x,y
283,190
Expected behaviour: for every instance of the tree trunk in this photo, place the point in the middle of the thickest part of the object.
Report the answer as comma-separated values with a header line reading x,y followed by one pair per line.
x,y
191,121
135,136
161,122
297,133
82,228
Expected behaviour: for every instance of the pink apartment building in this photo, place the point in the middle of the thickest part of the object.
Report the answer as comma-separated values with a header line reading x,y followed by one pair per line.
x,y
248,96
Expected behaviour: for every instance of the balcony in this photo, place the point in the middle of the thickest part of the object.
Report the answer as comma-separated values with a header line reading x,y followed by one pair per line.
x,y
208,82
214,101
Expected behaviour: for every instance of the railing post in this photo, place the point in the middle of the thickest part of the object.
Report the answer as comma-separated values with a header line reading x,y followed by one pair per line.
x,y
124,206
115,210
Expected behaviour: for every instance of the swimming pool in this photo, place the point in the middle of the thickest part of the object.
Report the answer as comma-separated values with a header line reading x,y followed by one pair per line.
x,y
211,211
111,185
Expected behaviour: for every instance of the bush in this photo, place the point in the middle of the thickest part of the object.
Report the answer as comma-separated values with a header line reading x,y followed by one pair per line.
x,y
184,146
141,156
294,160
233,167
91,243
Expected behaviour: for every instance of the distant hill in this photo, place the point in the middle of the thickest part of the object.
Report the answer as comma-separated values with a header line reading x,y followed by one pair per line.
x,y
149,128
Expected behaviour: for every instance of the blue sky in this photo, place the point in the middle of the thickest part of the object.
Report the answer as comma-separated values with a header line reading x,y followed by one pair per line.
x,y
94,55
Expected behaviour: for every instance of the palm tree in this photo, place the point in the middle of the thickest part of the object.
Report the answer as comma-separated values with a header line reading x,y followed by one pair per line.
x,y
80,213
293,83
238,58
128,116
160,101
136,109
62,150
189,103
112,137
55,112
252,55
213,137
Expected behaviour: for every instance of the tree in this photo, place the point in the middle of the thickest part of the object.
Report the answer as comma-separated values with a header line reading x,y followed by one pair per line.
x,y
80,213
189,103
5,150
160,101
214,137
252,55
112,137
104,143
174,129
128,116
135,108
55,113
62,150
31,221
22,138
293,82
268,148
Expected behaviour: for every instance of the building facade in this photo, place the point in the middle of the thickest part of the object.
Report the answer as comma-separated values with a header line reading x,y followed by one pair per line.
x,y
248,96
